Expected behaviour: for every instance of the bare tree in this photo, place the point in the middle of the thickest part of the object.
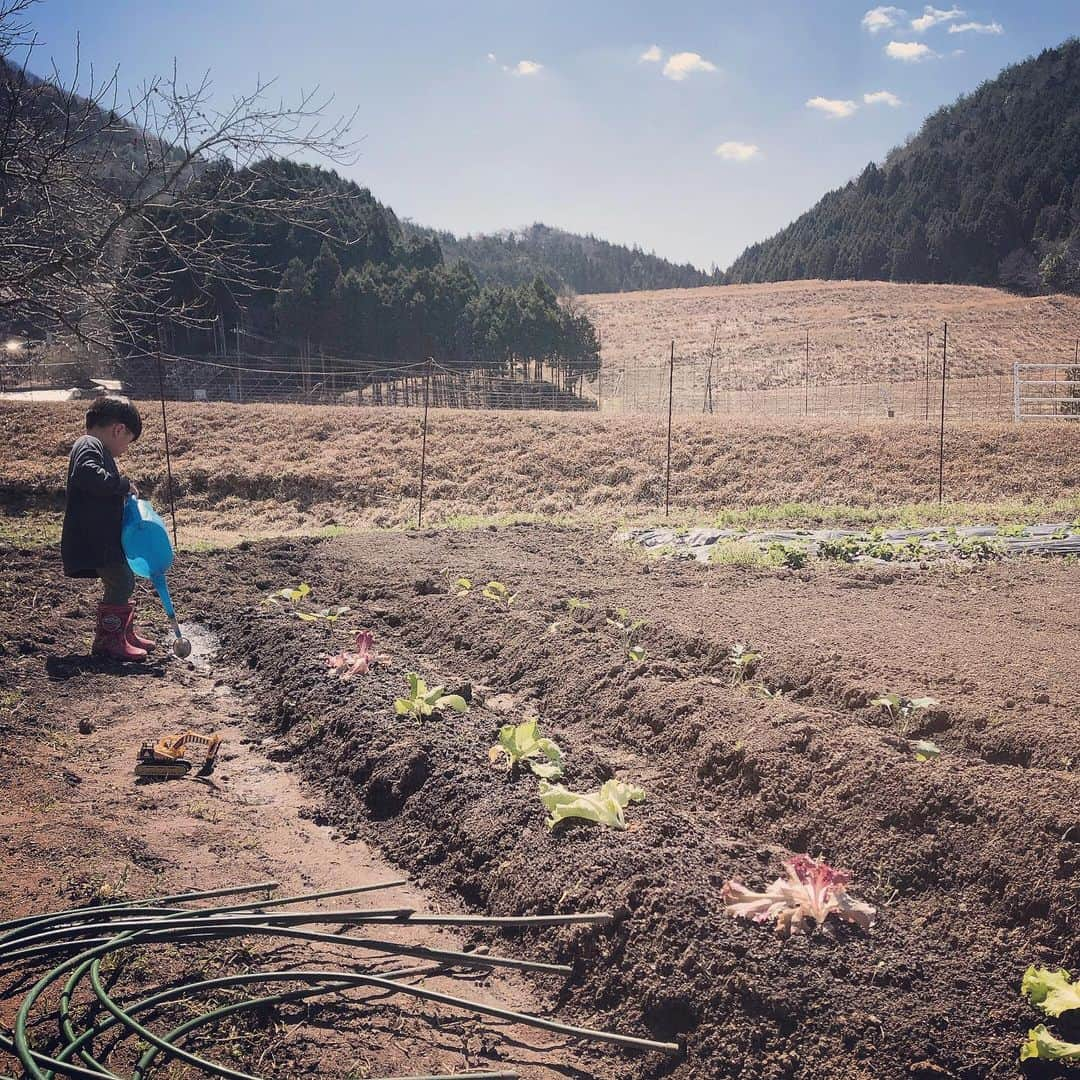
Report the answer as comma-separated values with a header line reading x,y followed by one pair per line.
x,y
96,186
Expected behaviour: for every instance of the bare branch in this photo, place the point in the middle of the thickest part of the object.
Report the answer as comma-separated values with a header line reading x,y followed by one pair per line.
x,y
104,205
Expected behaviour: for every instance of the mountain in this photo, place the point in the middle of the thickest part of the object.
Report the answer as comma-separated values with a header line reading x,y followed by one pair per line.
x,y
988,193
565,260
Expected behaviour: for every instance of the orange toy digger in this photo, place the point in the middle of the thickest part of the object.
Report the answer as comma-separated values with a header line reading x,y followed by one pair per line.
x,y
165,760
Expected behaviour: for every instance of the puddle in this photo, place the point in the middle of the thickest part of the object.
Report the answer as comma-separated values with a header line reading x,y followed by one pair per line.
x,y
204,643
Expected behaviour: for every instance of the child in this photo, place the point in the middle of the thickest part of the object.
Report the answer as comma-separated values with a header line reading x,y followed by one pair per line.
x,y
90,543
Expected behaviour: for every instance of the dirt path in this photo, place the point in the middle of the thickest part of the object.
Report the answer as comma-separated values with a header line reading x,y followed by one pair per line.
x,y
76,826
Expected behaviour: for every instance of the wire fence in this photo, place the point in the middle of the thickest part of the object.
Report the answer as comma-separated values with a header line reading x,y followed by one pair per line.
x,y
779,387
786,386
269,379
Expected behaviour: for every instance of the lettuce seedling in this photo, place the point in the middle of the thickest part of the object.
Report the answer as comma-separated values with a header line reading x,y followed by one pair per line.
x,y
630,629
462,586
422,702
329,614
743,660
1043,1045
292,596
576,607
792,556
925,750
604,806
808,894
636,654
498,593
981,548
522,742
357,661
903,708
1053,991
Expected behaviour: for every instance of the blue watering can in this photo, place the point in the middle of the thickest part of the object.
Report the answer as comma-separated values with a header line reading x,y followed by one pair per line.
x,y
149,554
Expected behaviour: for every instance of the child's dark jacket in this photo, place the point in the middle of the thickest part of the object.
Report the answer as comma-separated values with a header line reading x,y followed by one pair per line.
x,y
95,510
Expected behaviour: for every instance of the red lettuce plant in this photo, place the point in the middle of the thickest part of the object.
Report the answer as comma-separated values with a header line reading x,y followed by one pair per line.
x,y
357,661
805,898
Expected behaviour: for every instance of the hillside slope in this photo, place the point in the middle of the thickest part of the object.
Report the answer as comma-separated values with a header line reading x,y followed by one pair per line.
x,y
988,192
564,259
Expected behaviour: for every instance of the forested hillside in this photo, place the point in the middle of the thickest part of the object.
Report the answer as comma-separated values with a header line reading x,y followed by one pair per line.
x,y
565,260
339,278
988,192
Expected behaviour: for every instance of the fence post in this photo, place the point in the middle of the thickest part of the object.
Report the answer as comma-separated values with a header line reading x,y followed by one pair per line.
x,y
423,445
806,378
926,410
941,441
1016,392
670,403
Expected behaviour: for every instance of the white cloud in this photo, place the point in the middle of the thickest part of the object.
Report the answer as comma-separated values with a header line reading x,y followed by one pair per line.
x,y
882,18
977,28
527,67
831,107
683,64
652,55
737,151
911,52
491,57
882,97
931,16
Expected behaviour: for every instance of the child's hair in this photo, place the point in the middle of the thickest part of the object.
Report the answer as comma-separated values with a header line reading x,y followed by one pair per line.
x,y
113,409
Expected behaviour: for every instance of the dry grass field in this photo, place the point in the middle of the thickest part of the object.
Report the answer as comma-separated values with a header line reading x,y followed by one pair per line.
x,y
257,470
860,333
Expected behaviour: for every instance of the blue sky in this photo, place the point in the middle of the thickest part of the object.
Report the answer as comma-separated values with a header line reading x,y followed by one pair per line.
x,y
691,129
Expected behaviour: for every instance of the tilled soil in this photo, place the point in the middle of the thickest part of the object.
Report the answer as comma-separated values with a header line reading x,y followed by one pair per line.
x,y
77,827
971,859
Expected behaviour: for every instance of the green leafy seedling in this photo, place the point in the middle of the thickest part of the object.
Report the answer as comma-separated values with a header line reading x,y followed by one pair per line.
x,y
330,614
980,548
925,750
1054,992
792,556
1043,1045
903,708
462,586
523,743
498,593
292,596
637,654
605,806
422,702
576,607
743,660
629,629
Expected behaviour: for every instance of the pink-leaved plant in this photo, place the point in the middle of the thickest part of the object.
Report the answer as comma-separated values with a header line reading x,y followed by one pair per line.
x,y
358,660
808,894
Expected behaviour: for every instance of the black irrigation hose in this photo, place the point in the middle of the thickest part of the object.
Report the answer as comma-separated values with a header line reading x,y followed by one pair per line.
x,y
171,1037
393,948
74,914
67,931
172,993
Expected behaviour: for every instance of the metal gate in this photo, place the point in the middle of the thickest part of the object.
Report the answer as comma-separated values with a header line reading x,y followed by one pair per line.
x,y
1046,391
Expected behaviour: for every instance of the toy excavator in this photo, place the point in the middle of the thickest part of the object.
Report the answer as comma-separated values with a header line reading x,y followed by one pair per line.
x,y
165,759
